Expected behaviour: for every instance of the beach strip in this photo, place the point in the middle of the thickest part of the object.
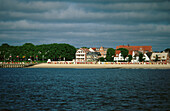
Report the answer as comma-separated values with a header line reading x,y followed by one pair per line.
x,y
103,66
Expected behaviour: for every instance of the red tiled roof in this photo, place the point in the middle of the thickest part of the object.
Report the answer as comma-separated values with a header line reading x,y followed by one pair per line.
x,y
136,48
94,48
149,48
117,52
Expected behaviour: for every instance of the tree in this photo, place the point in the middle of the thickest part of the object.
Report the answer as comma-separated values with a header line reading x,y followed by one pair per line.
x,y
85,47
156,59
141,57
130,58
124,52
42,52
167,50
5,45
110,54
149,54
101,59
28,45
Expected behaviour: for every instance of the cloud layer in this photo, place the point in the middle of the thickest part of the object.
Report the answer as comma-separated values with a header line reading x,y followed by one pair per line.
x,y
86,23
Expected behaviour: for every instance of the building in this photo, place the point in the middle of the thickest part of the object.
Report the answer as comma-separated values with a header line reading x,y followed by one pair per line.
x,y
93,56
135,56
118,56
161,56
103,51
81,54
92,49
143,49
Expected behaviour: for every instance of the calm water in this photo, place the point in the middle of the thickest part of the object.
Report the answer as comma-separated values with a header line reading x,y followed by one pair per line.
x,y
85,89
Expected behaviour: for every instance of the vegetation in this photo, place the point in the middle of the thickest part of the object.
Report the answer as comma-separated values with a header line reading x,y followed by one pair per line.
x,y
130,58
167,50
101,59
141,57
156,59
149,54
110,55
85,47
37,52
124,52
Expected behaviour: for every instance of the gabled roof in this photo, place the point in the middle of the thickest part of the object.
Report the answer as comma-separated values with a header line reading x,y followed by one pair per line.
x,y
117,52
94,48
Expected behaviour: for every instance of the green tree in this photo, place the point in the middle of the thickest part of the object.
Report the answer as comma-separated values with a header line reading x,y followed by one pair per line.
x,y
124,52
84,47
156,59
5,45
42,52
130,58
167,50
141,57
101,59
110,54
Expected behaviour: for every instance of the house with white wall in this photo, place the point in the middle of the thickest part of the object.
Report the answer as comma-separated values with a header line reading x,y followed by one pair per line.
x,y
161,56
135,56
118,56
81,54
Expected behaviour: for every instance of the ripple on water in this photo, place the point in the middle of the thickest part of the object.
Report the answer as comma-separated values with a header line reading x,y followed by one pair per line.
x,y
84,89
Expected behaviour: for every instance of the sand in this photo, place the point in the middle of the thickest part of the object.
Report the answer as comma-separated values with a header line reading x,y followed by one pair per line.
x,y
100,66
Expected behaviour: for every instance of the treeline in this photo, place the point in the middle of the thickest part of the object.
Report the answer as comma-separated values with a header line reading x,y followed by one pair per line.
x,y
29,51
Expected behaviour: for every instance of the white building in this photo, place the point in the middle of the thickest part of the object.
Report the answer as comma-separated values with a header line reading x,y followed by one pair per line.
x,y
81,54
146,57
118,57
91,50
135,57
161,56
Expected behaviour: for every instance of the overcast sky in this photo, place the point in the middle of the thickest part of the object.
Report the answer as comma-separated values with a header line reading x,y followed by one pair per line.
x,y
90,23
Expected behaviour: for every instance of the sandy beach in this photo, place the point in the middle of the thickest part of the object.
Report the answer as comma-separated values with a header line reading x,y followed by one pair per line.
x,y
100,66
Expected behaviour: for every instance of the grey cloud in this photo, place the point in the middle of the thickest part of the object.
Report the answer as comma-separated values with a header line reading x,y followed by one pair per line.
x,y
33,6
85,27
78,15
86,22
158,6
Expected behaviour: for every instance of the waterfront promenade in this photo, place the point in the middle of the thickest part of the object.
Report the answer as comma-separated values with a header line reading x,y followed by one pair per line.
x,y
100,66
16,65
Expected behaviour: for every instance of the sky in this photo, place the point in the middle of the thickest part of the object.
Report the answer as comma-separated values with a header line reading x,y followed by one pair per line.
x,y
90,23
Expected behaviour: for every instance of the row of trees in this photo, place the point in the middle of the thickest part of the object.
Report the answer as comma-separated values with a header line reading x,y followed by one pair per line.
x,y
37,52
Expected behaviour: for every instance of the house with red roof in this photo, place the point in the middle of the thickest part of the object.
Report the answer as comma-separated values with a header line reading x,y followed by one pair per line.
x,y
103,51
118,56
143,49
92,49
134,51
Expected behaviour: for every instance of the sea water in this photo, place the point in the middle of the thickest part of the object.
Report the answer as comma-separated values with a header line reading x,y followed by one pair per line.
x,y
84,89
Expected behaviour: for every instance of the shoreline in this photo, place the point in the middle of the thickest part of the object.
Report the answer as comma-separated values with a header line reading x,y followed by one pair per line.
x,y
103,66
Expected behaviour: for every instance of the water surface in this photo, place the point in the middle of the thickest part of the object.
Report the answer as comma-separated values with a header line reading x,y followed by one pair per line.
x,y
84,89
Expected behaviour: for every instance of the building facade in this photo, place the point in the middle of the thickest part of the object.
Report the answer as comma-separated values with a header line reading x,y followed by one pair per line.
x,y
103,51
135,49
161,56
81,54
93,56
